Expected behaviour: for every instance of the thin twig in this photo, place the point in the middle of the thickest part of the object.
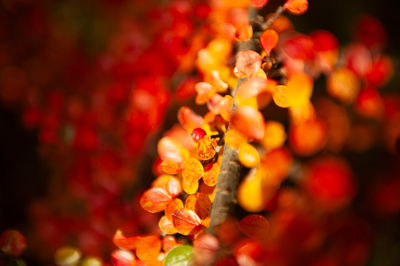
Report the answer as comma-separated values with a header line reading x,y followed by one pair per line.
x,y
229,175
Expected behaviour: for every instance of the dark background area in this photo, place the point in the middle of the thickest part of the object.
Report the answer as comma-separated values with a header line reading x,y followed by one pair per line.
x,y
24,175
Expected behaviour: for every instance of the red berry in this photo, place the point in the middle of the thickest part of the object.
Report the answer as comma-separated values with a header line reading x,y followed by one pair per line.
x,y
198,134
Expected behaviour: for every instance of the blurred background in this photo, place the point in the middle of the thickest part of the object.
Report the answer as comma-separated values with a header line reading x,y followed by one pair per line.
x,y
71,52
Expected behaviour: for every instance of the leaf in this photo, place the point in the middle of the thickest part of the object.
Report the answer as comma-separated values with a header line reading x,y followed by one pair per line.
x,y
199,203
308,137
248,155
258,3
191,173
277,163
172,206
67,256
343,85
169,242
206,247
170,150
296,7
250,193
279,97
299,89
189,119
268,40
185,221
179,256
148,247
155,200
170,167
248,63
254,226
123,258
166,226
251,87
249,122
226,107
204,92
274,136
174,187
121,241
210,177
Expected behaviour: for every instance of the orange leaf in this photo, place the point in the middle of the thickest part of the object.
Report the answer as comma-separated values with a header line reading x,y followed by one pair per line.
x,y
121,241
168,243
251,87
250,195
279,97
277,162
244,32
148,247
248,63
343,85
254,226
174,187
155,200
190,186
296,7
248,155
121,257
210,177
258,3
199,203
249,122
185,221
170,167
172,206
192,169
189,119
268,40
204,92
166,226
226,107
170,150
274,136
308,137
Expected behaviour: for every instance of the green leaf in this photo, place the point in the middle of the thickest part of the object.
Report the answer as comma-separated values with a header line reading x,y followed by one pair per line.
x,y
179,256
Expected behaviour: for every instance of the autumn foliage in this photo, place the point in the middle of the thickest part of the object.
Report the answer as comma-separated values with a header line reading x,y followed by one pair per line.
x,y
299,177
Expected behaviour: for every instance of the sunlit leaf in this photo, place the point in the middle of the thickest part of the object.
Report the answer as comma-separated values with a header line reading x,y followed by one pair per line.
x,y
121,241
248,155
155,199
296,7
274,136
248,63
185,221
123,258
249,122
172,206
148,247
170,167
168,243
189,119
166,226
268,40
